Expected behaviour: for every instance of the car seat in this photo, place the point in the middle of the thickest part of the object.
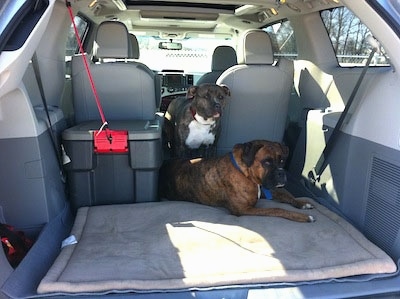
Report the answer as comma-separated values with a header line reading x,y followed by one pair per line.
x,y
260,91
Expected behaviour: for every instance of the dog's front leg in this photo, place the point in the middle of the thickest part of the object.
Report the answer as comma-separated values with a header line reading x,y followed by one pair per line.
x,y
277,212
284,196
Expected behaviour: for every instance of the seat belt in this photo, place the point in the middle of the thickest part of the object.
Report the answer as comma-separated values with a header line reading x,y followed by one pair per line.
x,y
315,174
53,138
105,140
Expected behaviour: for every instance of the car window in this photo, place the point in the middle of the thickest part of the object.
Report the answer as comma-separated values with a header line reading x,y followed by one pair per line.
x,y
283,39
193,56
348,36
72,47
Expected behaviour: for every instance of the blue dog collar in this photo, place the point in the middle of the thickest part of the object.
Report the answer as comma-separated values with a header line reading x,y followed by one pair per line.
x,y
234,161
267,193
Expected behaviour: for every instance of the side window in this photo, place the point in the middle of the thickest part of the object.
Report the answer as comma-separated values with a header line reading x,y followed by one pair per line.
x,y
283,40
348,36
71,47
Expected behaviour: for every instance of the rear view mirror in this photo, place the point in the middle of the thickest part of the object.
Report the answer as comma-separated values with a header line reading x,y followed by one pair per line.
x,y
170,46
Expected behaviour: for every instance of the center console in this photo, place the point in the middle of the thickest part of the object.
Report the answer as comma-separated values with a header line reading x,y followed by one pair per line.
x,y
174,83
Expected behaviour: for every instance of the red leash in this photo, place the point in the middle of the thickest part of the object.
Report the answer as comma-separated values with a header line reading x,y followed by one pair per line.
x,y
81,51
105,140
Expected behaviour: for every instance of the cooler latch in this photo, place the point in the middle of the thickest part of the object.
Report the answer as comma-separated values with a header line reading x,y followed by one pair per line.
x,y
110,141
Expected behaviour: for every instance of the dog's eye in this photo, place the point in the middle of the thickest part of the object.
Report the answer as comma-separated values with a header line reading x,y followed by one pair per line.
x,y
266,163
281,162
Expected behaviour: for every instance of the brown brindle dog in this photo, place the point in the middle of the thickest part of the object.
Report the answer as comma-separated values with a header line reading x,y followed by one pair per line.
x,y
234,180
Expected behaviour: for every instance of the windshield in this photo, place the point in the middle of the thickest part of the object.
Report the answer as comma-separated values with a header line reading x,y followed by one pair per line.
x,y
194,57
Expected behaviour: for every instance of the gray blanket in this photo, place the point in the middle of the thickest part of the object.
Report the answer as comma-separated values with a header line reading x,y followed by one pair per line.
x,y
180,245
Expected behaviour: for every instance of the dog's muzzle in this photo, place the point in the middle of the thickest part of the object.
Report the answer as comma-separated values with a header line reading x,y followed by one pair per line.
x,y
217,109
280,177
276,179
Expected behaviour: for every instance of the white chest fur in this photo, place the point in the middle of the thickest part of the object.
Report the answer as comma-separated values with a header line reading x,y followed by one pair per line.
x,y
199,134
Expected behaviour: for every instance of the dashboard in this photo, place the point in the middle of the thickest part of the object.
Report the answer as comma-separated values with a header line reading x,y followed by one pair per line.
x,y
174,83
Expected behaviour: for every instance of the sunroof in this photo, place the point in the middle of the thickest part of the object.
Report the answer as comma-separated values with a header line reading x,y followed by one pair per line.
x,y
184,4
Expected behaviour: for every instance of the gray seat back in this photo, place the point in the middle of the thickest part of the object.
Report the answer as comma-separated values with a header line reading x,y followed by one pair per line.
x,y
223,58
134,51
260,92
126,90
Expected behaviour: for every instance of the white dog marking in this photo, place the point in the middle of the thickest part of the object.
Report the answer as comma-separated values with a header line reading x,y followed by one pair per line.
x,y
200,132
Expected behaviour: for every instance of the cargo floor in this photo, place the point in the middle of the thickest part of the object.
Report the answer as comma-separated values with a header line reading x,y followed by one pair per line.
x,y
186,246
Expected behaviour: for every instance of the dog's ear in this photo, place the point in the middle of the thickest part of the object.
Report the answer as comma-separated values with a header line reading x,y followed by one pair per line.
x,y
249,152
226,90
191,93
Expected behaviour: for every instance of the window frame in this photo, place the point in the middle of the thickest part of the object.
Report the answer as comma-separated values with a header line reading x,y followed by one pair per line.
x,y
18,18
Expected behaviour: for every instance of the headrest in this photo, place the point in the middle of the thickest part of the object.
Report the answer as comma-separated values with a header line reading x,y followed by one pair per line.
x,y
111,40
257,47
223,58
134,52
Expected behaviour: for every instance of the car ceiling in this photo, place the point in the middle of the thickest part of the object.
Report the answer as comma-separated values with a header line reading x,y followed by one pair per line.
x,y
178,19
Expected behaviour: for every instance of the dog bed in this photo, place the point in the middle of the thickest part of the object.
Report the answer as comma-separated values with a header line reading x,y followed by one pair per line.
x,y
168,246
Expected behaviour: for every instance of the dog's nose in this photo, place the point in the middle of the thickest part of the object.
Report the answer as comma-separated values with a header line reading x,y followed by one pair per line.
x,y
218,108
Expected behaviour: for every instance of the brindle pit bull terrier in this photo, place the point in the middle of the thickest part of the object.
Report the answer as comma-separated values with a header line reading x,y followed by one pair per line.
x,y
233,181
193,122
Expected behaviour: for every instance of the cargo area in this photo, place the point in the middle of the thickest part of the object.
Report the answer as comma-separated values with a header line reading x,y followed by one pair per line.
x,y
82,142
117,235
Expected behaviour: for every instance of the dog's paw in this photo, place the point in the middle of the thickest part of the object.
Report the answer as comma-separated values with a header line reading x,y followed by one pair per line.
x,y
311,218
307,206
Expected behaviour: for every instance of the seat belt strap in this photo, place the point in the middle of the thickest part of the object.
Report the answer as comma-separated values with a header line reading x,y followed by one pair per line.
x,y
315,174
36,71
